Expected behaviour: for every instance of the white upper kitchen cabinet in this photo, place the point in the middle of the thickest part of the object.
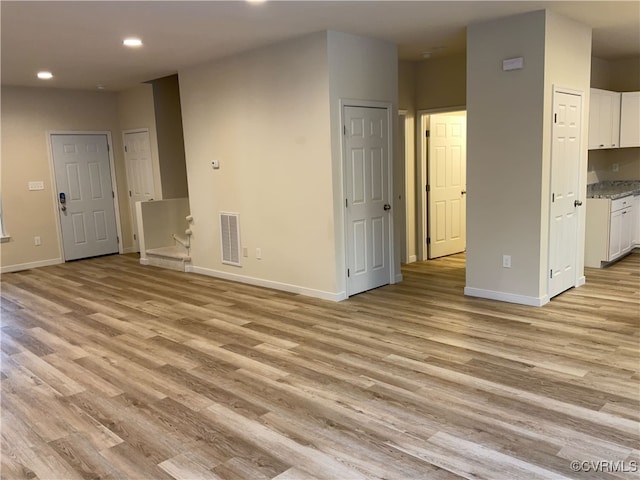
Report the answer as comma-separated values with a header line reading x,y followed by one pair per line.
x,y
604,119
629,120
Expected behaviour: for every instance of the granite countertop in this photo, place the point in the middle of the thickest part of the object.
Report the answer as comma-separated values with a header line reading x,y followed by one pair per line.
x,y
613,189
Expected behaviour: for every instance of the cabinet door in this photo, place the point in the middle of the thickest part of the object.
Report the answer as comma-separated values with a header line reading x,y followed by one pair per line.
x,y
636,221
630,119
604,119
615,235
626,230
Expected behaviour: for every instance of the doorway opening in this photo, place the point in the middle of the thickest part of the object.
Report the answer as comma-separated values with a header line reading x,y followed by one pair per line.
x,y
440,179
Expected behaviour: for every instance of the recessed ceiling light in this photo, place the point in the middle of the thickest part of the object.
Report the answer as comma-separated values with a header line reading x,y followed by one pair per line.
x,y
256,1
45,75
426,55
100,87
132,42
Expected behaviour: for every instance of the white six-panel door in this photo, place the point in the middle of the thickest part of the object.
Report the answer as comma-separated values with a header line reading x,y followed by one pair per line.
x,y
83,176
368,213
565,200
137,156
447,177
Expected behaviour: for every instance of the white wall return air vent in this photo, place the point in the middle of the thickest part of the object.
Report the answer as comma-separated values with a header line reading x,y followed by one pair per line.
x,y
230,238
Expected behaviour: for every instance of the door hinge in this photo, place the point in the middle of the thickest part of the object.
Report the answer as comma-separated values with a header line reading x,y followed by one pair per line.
x,y
135,237
551,274
346,202
428,240
555,118
344,129
117,239
427,133
129,192
428,188
113,195
553,197
108,148
125,149
348,273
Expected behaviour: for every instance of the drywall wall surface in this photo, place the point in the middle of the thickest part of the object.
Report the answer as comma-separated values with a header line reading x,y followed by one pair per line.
x,y
136,111
568,65
28,115
504,155
364,69
407,85
173,170
625,74
264,116
441,82
600,73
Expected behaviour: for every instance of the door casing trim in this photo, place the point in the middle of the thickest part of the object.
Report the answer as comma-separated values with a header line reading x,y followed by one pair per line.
x,y
54,185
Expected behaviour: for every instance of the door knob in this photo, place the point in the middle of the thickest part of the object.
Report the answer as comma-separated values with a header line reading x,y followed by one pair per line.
x,y
63,208
577,203
463,192
387,206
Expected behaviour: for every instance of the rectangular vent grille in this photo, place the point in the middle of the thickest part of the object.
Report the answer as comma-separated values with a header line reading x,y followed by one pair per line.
x,y
230,233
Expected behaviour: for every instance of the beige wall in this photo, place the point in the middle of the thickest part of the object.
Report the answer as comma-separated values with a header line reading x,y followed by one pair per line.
x,y
264,116
441,82
509,125
28,114
173,170
361,69
504,154
567,64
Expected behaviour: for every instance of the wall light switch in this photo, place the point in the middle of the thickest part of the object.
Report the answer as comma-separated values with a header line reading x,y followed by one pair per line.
x,y
615,167
215,164
36,185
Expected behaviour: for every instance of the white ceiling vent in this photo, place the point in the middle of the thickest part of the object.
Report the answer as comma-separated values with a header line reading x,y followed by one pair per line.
x,y
230,233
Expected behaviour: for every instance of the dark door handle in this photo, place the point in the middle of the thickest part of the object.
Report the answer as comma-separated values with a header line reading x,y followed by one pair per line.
x,y
387,206
577,203
463,192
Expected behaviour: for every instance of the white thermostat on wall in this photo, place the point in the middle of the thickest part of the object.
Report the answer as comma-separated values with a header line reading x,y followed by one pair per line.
x,y
215,164
513,64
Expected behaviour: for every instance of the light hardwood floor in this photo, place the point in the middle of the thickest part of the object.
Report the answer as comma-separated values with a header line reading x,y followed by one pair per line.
x,y
114,370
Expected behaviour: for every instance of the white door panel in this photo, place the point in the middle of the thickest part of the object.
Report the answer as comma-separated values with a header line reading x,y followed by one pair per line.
x,y
565,171
83,176
137,155
367,182
447,185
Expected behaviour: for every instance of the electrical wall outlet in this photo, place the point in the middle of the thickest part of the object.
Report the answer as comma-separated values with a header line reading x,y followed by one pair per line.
x,y
245,252
506,261
258,253
36,241
615,167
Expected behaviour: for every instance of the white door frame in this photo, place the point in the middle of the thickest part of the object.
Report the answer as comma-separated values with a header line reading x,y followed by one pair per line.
x,y
421,175
390,122
579,264
54,189
134,228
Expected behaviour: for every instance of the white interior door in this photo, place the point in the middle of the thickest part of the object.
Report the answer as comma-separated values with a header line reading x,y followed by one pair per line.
x,y
447,179
368,212
85,195
137,156
565,172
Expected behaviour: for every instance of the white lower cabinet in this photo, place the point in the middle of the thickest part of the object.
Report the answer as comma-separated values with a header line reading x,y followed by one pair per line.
x,y
610,229
636,221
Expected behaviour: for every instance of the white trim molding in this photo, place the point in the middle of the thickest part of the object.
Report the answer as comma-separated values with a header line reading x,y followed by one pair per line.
x,y
506,297
28,266
259,282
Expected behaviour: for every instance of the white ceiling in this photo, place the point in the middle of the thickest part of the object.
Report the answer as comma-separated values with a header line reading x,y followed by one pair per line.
x,y
81,41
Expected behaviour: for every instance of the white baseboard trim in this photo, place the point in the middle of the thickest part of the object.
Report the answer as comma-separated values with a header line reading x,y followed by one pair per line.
x,y
413,258
27,266
398,278
581,281
506,297
259,282
130,250
144,261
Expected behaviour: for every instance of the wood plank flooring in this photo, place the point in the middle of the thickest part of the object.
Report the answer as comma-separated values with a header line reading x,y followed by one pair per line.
x,y
112,370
